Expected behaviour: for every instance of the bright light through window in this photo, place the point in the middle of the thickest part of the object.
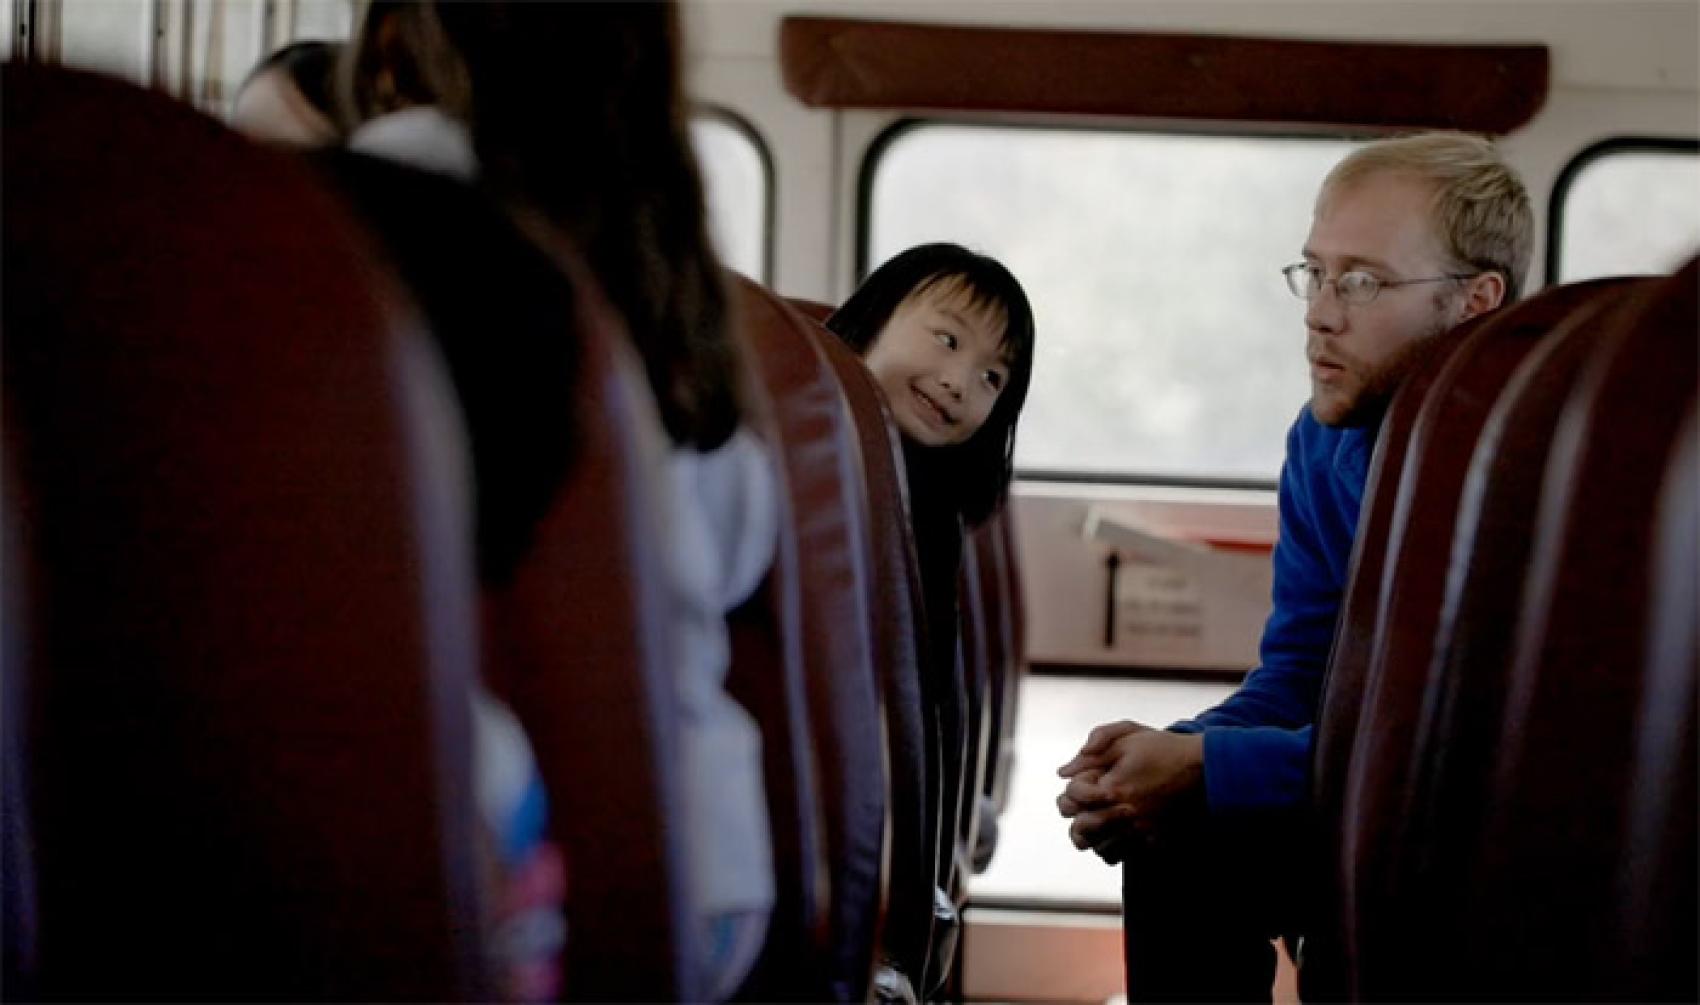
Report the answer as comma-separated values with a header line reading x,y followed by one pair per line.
x,y
735,177
323,18
1167,342
1630,212
108,36
1034,860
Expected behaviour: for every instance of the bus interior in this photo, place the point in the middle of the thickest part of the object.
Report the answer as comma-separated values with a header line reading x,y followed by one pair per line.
x,y
242,622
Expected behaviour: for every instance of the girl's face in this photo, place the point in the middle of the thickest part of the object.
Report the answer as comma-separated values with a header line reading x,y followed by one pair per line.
x,y
941,364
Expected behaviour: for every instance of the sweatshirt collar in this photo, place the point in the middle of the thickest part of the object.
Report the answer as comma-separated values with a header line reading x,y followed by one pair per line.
x,y
423,136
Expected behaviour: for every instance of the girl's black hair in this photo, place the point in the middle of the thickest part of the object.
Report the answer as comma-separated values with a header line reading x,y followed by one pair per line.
x,y
981,466
397,57
577,111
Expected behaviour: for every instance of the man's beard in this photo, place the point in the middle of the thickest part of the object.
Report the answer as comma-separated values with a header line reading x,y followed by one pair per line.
x,y
1380,385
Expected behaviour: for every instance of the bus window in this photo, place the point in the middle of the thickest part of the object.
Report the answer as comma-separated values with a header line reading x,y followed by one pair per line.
x,y
1035,864
1168,347
739,191
108,37
1627,207
321,19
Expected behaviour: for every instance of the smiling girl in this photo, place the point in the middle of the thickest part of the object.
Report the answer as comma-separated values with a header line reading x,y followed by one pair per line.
x,y
948,336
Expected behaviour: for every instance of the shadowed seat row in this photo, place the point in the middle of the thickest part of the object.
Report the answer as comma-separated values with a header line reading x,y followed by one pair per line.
x,y
243,623
1497,794
892,746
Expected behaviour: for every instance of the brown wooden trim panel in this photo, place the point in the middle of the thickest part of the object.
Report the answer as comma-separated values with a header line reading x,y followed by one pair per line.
x,y
843,63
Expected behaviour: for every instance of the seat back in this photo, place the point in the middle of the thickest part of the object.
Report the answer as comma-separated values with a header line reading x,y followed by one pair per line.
x,y
248,631
898,633
1558,796
1656,878
17,857
579,637
566,474
1360,609
814,310
994,542
1416,550
767,678
1454,735
1327,941
502,314
944,692
824,561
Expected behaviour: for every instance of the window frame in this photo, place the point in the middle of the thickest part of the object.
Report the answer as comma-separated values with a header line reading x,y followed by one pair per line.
x,y
1580,162
770,177
876,149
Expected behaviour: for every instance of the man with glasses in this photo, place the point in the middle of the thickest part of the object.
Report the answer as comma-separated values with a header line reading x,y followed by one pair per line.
x,y
1409,237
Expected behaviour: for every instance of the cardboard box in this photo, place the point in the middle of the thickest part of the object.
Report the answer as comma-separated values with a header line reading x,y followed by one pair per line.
x,y
1180,601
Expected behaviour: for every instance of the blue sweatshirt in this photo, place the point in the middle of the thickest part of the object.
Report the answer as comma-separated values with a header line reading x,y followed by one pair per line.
x,y
1257,742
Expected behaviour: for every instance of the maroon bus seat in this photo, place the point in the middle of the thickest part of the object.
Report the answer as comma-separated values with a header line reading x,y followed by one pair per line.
x,y
1416,552
1546,904
1327,943
824,564
992,544
1657,879
574,591
814,310
18,960
1465,649
1360,609
236,511
898,632
578,639
945,701
1421,452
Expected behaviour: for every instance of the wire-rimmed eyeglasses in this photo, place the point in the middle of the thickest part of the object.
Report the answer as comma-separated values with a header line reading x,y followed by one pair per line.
x,y
1355,287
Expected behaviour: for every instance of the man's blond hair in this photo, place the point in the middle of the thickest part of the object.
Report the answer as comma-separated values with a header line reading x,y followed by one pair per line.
x,y
1481,212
